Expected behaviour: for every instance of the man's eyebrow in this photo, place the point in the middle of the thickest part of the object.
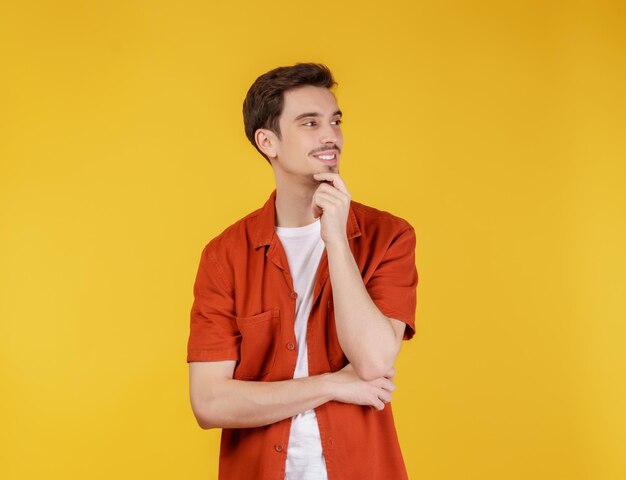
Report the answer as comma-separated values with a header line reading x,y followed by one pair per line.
x,y
314,114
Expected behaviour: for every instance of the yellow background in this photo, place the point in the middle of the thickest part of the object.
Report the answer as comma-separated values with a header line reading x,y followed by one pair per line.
x,y
496,128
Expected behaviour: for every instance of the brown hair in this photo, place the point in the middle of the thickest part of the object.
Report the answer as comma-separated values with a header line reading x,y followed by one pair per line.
x,y
264,101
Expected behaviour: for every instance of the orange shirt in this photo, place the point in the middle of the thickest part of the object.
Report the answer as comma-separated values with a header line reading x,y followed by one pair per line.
x,y
244,310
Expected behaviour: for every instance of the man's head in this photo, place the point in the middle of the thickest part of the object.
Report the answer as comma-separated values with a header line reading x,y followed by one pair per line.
x,y
291,117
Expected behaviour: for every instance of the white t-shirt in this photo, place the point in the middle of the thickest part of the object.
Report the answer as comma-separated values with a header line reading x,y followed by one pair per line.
x,y
304,247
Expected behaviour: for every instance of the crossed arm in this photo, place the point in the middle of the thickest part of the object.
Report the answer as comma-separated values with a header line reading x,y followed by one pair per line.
x,y
219,401
370,340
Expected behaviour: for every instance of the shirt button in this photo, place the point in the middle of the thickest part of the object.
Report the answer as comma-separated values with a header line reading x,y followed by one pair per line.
x,y
293,295
290,346
278,447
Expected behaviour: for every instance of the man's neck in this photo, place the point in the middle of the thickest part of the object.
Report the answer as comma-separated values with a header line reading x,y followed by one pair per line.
x,y
293,205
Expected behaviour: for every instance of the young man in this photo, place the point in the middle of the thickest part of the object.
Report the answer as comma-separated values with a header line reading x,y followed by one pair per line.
x,y
301,306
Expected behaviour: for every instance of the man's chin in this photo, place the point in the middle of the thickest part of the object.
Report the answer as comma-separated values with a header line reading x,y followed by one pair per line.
x,y
328,169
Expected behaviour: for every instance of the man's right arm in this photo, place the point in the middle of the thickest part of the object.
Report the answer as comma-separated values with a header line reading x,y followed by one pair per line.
x,y
219,401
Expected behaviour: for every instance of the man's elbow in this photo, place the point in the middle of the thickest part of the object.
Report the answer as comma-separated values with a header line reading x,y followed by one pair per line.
x,y
373,370
205,423
205,415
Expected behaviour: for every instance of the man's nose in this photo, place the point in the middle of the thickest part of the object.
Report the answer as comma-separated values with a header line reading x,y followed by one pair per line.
x,y
328,134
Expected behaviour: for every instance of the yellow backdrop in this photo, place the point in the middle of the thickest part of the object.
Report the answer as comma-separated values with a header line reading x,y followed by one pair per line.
x,y
496,128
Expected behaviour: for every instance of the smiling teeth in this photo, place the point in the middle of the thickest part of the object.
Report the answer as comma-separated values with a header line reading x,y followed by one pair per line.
x,y
326,157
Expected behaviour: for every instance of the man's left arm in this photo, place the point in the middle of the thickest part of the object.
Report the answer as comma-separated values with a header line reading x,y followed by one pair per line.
x,y
370,339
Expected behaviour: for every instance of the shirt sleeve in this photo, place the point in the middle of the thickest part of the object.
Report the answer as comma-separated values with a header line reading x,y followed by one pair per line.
x,y
213,333
393,286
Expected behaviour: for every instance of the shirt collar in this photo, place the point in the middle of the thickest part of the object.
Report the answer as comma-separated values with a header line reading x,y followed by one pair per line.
x,y
266,221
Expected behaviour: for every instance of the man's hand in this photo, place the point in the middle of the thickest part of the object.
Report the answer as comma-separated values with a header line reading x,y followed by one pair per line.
x,y
349,388
331,202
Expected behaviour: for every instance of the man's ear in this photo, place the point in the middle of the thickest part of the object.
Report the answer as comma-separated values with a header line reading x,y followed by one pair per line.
x,y
267,142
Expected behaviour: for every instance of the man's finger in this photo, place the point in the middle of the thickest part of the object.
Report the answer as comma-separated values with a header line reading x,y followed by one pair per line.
x,y
335,179
328,188
325,199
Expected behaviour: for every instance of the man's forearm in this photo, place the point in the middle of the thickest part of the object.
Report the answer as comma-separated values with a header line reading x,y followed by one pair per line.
x,y
366,335
243,404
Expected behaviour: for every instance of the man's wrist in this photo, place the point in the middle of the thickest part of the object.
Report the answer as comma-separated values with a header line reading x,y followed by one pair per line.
x,y
325,386
338,246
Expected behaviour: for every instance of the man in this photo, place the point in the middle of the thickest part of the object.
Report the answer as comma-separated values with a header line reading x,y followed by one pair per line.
x,y
301,306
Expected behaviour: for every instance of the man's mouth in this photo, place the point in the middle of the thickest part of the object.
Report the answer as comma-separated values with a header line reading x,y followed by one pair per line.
x,y
327,157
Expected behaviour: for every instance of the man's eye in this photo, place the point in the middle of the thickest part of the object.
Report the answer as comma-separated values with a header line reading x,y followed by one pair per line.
x,y
338,122
310,124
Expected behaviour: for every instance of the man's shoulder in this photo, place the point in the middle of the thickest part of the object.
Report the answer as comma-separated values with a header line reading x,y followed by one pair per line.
x,y
235,235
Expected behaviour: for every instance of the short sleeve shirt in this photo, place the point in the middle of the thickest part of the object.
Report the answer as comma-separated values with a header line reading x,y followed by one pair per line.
x,y
244,310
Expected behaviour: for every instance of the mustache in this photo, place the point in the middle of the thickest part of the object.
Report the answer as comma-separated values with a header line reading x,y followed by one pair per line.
x,y
324,149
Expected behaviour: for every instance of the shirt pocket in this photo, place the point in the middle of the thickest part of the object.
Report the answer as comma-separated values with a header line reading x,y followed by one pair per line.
x,y
259,338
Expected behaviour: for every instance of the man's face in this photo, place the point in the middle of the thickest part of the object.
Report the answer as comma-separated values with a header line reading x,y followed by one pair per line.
x,y
311,138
